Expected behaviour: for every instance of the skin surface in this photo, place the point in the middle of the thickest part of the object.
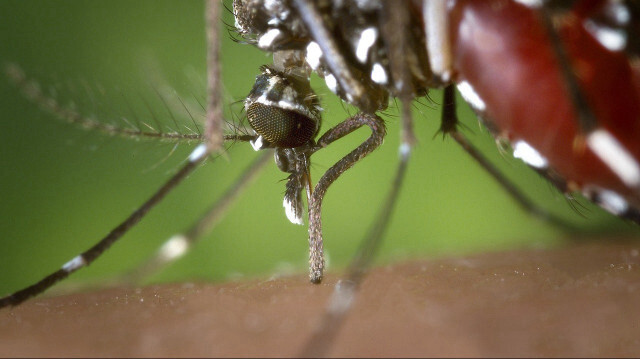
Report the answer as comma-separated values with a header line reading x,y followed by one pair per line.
x,y
581,300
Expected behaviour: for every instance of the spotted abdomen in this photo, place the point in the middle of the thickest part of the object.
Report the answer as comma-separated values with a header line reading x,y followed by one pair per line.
x,y
509,73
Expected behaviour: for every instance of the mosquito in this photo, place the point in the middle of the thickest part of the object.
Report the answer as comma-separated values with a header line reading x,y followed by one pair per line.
x,y
368,102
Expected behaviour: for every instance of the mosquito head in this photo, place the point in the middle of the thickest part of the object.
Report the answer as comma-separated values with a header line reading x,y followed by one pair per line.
x,y
282,109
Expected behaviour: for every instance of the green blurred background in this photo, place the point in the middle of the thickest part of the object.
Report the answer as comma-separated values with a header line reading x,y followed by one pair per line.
x,y
62,188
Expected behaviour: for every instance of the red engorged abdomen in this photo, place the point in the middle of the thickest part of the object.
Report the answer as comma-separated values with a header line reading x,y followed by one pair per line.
x,y
502,50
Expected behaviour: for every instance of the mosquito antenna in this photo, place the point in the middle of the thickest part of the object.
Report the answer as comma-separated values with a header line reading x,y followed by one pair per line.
x,y
153,114
193,120
50,105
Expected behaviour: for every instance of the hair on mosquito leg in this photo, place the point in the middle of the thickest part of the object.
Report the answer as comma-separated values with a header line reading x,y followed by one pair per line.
x,y
213,142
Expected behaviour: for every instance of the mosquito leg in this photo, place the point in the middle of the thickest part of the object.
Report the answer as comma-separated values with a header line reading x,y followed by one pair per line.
x,y
345,291
587,120
87,257
198,156
179,244
213,125
336,62
376,124
449,127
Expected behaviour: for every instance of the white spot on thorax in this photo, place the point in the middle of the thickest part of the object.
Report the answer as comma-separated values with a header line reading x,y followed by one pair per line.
x,y
271,5
175,247
257,144
290,211
470,95
332,84
274,80
268,38
611,39
529,155
379,75
198,153
313,55
368,37
74,264
614,155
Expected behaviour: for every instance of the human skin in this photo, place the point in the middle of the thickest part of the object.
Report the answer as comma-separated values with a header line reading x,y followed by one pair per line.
x,y
579,300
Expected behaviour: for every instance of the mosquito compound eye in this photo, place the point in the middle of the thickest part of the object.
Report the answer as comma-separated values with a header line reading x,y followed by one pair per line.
x,y
282,110
281,127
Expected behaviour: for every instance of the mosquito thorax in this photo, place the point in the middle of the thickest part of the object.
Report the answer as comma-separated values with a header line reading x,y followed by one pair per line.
x,y
282,110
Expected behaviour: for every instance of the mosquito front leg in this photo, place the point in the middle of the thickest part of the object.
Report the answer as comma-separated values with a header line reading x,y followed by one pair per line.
x,y
213,126
378,131
198,156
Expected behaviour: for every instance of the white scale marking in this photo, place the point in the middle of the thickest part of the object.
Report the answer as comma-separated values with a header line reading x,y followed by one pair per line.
x,y
291,213
619,11
612,202
313,55
268,38
404,150
74,264
529,155
470,95
614,155
257,144
368,37
611,39
530,3
379,75
332,84
198,153
175,247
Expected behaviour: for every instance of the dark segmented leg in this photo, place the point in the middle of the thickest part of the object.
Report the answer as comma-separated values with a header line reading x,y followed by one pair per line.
x,y
586,118
198,156
320,342
378,131
449,126
335,60
178,245
213,125
87,257
344,293
598,139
